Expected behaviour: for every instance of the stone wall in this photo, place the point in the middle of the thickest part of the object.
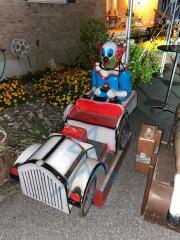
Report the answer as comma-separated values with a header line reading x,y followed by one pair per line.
x,y
4,170
6,161
57,27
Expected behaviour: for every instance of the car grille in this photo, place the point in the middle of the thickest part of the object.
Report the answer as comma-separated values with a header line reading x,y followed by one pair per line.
x,y
40,184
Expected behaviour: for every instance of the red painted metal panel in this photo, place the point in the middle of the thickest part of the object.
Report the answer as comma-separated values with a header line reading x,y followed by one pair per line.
x,y
99,113
75,132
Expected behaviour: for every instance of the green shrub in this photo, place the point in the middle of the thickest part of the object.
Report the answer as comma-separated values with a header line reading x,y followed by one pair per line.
x,y
143,65
93,33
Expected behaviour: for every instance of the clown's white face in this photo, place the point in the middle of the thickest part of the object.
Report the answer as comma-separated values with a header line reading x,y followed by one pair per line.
x,y
108,55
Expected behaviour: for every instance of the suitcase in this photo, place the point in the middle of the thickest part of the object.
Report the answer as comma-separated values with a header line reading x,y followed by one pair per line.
x,y
147,145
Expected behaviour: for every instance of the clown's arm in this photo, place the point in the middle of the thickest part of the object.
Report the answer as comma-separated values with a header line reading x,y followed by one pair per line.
x,y
95,88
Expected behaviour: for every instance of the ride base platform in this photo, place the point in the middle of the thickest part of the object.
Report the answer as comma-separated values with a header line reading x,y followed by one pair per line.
x,y
115,164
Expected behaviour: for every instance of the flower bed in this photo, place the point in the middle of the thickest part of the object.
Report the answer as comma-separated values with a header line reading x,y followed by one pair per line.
x,y
12,92
60,86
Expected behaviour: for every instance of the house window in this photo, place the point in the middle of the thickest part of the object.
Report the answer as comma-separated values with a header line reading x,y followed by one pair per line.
x,y
49,1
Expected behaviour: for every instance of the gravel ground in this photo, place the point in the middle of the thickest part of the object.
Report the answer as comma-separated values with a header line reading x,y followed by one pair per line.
x,y
8,189
16,119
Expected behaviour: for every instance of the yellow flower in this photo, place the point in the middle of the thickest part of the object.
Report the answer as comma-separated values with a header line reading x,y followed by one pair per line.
x,y
13,85
8,103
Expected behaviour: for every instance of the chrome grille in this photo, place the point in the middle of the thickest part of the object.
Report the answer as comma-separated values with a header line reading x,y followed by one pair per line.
x,y
40,184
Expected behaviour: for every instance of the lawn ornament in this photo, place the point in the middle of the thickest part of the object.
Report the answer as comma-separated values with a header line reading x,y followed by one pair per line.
x,y
77,166
161,164
110,79
20,48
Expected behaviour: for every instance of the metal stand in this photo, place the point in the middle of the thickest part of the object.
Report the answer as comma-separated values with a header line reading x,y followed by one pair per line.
x,y
128,29
165,106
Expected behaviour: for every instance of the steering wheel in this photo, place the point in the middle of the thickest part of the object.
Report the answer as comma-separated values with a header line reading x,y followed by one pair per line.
x,y
92,96
105,88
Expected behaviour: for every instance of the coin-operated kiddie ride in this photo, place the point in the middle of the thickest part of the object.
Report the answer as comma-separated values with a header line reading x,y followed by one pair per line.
x,y
76,167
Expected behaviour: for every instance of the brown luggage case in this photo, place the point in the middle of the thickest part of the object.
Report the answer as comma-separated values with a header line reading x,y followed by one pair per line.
x,y
145,148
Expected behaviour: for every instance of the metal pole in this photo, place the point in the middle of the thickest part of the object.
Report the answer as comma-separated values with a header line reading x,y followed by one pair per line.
x,y
128,29
171,80
168,37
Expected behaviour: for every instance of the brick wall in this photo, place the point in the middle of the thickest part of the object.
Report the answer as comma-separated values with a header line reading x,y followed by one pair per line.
x,y
56,27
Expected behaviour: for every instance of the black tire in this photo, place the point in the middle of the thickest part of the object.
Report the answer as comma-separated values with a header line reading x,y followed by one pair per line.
x,y
88,197
123,133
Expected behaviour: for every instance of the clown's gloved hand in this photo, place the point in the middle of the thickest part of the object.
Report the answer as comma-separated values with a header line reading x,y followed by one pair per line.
x,y
121,94
111,93
97,92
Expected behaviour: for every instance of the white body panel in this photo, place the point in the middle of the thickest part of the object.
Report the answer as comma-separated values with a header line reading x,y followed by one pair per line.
x,y
46,147
27,153
63,156
98,133
81,177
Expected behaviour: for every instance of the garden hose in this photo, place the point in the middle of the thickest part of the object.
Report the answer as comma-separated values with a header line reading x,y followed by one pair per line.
x,y
3,132
4,60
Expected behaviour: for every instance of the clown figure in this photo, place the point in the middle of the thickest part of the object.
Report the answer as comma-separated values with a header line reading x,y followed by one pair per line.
x,y
109,79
